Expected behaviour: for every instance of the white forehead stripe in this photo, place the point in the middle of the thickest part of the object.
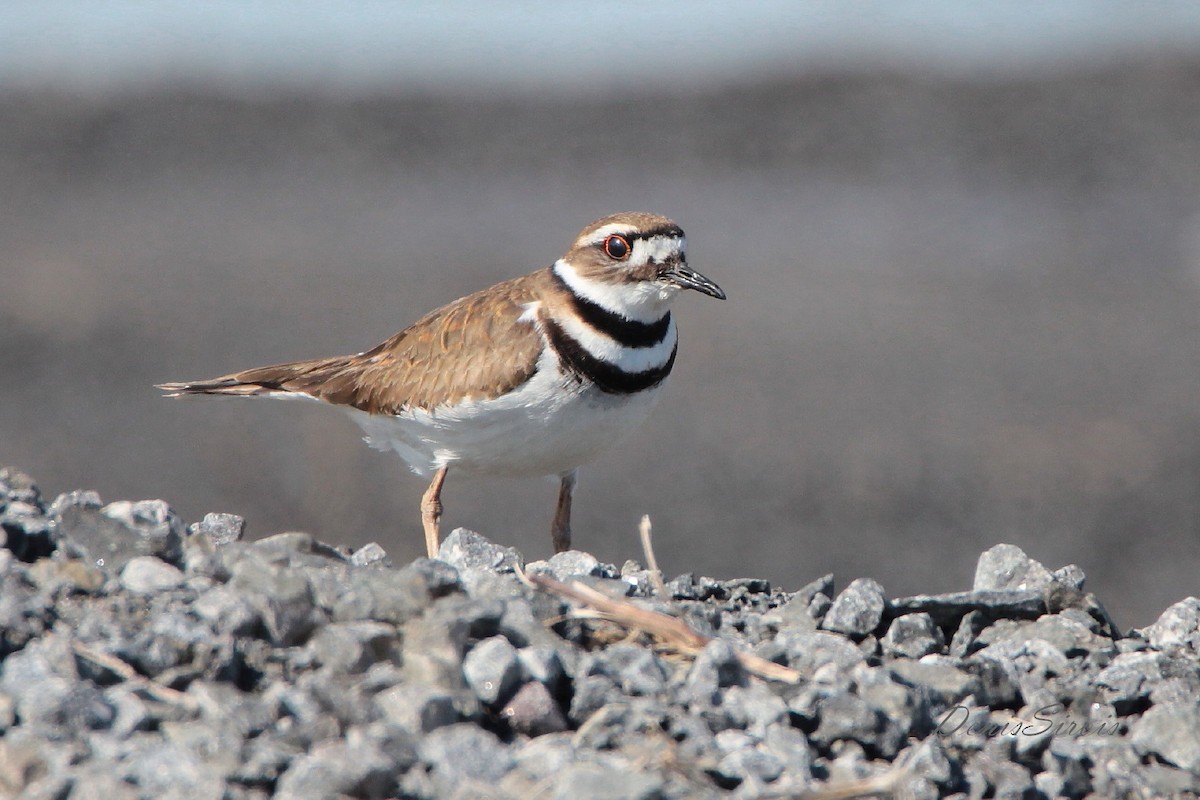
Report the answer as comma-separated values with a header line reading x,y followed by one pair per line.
x,y
657,249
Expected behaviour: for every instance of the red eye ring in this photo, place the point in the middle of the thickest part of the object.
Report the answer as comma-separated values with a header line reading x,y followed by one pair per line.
x,y
617,247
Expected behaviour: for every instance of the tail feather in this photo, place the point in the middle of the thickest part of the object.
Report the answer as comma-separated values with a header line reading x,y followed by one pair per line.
x,y
276,380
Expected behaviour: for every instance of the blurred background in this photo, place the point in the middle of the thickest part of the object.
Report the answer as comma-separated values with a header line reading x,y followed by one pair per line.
x,y
961,245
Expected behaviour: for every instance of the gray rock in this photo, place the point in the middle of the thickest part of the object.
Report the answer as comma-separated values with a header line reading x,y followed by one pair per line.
x,y
574,564
354,646
903,711
164,769
334,769
614,675
753,764
1006,567
110,536
17,486
418,709
1003,679
1008,780
942,680
857,610
228,611
464,752
368,554
543,665
1179,685
1171,732
434,644
637,671
79,498
912,636
805,594
26,532
492,670
598,782
1070,576
846,716
43,680
393,596
948,609
66,577
1068,636
468,550
95,783
807,652
286,666
755,707
148,574
282,597
1177,627
219,529
533,712
965,639
716,667
791,747
1127,680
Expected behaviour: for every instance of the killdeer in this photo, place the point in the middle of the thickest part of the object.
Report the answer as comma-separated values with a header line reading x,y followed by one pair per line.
x,y
530,377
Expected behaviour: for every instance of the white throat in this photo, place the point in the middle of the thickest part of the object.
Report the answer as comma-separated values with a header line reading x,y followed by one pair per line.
x,y
641,301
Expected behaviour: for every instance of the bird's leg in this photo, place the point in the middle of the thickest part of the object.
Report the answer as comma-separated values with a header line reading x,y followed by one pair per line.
x,y
560,532
431,511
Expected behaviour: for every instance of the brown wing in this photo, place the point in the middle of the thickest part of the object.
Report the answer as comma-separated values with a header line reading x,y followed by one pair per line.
x,y
475,347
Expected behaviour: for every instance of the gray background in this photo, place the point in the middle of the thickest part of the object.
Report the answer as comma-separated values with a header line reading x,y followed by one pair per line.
x,y
963,281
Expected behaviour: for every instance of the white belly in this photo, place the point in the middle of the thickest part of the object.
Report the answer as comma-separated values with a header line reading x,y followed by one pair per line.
x,y
548,426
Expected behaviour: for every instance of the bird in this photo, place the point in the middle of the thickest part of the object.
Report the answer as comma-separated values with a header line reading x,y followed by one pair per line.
x,y
530,377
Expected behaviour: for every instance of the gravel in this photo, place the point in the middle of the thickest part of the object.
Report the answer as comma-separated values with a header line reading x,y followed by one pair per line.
x,y
143,657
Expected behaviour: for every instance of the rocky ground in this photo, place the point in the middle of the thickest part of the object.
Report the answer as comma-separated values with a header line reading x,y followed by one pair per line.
x,y
143,657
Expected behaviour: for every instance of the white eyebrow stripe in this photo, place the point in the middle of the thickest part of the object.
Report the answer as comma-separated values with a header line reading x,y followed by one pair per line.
x,y
605,231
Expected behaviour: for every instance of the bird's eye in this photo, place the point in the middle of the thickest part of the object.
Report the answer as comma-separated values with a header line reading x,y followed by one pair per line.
x,y
616,247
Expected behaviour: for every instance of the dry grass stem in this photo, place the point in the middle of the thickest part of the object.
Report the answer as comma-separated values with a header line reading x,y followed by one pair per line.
x,y
118,667
651,562
670,630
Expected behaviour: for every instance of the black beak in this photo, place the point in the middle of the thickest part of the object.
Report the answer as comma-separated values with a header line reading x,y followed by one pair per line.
x,y
687,278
